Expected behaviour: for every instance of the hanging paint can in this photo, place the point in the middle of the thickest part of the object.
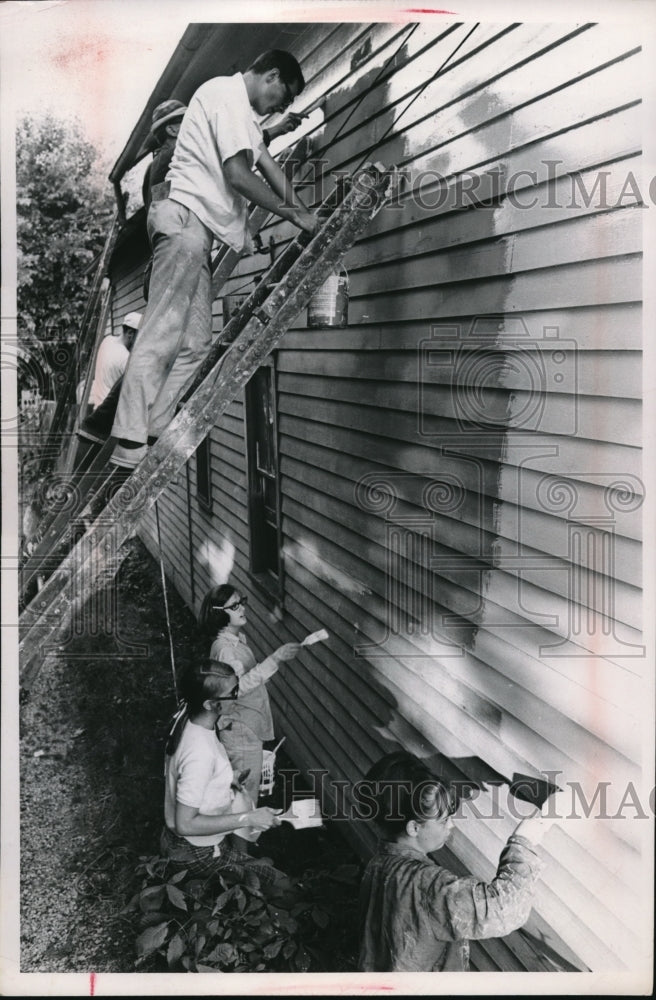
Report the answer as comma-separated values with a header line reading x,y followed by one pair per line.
x,y
329,304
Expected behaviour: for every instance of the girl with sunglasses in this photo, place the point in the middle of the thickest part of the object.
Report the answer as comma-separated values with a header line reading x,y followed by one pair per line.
x,y
247,722
202,802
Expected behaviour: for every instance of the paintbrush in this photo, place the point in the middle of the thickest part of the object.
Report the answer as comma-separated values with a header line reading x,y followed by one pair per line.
x,y
529,788
315,637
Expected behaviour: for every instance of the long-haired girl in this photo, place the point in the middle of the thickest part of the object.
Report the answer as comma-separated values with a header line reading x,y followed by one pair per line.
x,y
247,722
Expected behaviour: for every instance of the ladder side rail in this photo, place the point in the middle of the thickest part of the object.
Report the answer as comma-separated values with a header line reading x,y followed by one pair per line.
x,y
75,497
64,480
274,274
81,407
53,442
227,259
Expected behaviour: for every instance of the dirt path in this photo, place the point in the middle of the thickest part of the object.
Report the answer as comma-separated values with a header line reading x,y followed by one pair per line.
x,y
90,756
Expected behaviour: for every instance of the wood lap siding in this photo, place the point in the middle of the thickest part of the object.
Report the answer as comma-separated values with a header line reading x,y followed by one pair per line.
x,y
348,407
496,527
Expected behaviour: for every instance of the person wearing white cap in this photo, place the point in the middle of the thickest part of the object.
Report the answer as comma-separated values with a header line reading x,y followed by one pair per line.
x,y
111,363
112,359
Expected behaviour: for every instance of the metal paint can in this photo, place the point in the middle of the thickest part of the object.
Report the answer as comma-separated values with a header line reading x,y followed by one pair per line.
x,y
328,307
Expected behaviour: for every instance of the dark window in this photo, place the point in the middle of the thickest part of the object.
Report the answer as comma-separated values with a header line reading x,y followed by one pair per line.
x,y
263,484
204,473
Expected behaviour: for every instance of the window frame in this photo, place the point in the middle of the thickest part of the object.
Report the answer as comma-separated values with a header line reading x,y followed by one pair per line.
x,y
271,584
205,499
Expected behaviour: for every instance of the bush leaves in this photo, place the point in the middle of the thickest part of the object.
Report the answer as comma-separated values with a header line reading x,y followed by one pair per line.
x,y
176,897
200,925
151,939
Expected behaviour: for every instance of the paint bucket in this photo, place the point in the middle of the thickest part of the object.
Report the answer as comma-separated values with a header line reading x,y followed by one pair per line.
x,y
329,304
268,776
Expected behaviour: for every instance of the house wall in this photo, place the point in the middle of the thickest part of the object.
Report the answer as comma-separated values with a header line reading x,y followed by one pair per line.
x,y
460,467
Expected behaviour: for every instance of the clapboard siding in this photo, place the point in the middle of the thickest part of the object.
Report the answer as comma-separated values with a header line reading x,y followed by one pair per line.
x,y
419,459
488,262
540,527
128,296
393,501
342,514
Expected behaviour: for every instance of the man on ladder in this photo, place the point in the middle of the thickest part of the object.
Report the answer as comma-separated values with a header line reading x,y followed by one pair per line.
x,y
205,196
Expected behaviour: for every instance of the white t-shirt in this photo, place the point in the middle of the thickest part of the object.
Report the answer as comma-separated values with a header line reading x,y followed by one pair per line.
x,y
110,364
198,775
218,123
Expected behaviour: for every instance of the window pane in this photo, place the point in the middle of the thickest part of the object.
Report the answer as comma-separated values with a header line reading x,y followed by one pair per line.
x,y
204,473
263,487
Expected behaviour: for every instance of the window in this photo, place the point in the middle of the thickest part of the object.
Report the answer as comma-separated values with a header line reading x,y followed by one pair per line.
x,y
204,474
263,476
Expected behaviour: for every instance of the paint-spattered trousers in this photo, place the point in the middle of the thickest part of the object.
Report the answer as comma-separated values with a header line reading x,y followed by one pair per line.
x,y
176,331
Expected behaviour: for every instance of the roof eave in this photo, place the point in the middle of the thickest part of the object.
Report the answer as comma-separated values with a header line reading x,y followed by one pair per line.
x,y
194,36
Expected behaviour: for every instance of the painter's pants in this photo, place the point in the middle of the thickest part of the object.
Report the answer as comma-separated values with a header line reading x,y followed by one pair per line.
x,y
176,331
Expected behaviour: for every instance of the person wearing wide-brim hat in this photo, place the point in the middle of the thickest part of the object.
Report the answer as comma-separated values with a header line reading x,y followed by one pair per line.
x,y
166,122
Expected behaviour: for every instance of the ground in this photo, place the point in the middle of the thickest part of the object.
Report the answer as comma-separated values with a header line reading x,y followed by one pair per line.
x,y
91,760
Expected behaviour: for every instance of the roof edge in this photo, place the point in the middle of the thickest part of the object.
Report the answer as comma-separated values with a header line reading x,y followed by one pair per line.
x,y
193,38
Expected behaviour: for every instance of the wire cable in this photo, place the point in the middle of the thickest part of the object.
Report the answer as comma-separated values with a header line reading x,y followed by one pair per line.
x,y
166,602
366,93
416,96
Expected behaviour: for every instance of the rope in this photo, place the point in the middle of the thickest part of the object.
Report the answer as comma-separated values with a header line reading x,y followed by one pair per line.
x,y
166,602
235,291
417,95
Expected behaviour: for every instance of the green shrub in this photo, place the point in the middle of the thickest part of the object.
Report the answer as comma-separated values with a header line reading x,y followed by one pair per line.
x,y
227,926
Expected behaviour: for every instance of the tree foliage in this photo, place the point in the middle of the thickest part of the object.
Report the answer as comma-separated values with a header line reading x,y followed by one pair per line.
x,y
64,209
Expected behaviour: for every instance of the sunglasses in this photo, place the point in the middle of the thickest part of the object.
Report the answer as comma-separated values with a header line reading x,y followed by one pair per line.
x,y
230,607
231,696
